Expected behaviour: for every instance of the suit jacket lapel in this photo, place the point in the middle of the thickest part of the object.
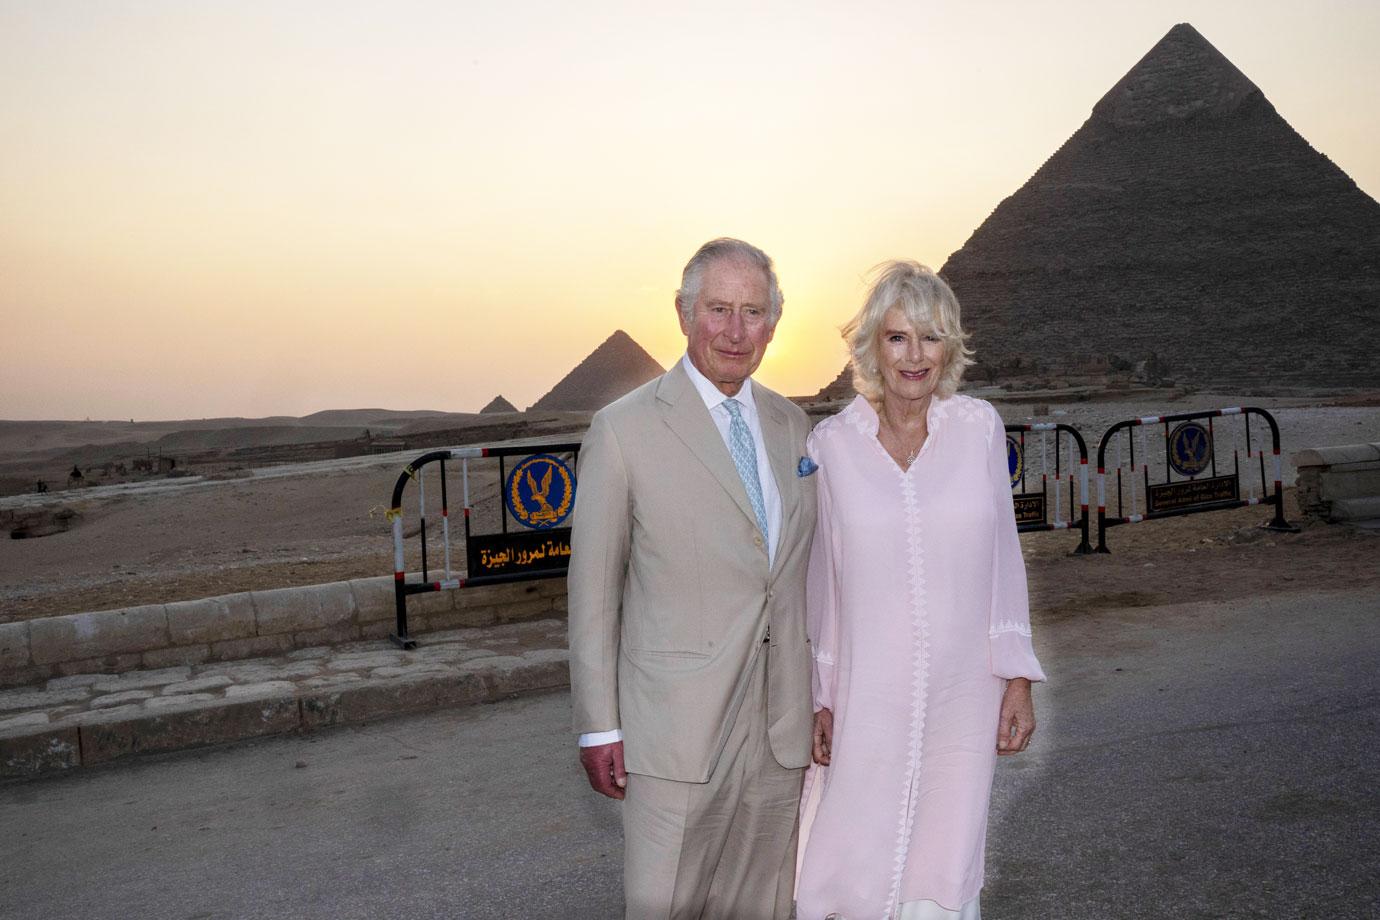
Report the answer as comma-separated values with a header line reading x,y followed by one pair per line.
x,y
686,414
776,433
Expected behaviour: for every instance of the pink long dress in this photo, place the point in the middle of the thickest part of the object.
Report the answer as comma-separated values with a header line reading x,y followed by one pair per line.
x,y
917,611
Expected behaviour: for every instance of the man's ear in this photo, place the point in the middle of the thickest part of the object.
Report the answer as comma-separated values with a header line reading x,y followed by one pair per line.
x,y
680,318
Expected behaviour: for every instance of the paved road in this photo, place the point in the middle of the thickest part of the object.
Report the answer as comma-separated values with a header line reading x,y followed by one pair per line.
x,y
1200,761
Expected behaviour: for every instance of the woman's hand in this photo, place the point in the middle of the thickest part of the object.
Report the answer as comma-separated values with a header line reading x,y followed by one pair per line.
x,y
1017,722
823,737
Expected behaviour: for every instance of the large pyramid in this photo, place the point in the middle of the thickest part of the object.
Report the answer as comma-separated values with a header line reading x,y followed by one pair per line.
x,y
1185,218
612,369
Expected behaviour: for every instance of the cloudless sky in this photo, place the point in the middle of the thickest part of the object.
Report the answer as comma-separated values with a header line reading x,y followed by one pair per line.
x,y
255,208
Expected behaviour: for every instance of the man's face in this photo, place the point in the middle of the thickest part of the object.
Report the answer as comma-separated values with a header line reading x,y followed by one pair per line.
x,y
731,326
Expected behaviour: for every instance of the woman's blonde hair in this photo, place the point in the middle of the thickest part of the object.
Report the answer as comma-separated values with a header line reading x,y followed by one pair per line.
x,y
930,306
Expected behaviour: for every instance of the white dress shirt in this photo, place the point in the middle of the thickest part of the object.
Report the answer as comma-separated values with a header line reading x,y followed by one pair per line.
x,y
771,495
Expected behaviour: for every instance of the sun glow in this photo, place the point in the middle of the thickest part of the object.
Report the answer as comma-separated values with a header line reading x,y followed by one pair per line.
x,y
230,209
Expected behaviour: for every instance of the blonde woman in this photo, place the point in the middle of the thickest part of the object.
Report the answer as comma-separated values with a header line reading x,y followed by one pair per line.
x,y
917,613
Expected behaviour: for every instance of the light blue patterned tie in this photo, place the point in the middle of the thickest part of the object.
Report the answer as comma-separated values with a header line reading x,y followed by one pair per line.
x,y
745,459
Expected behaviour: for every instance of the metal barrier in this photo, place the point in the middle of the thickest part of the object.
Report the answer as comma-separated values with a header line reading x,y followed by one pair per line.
x,y
1189,450
1032,508
539,548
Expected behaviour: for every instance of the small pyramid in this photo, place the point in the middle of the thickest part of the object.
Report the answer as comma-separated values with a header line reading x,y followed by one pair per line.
x,y
498,404
612,369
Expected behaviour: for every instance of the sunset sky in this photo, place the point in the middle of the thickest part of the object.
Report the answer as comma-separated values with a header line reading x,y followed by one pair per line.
x,y
253,208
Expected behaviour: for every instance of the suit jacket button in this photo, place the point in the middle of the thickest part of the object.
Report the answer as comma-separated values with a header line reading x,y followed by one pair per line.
x,y
757,540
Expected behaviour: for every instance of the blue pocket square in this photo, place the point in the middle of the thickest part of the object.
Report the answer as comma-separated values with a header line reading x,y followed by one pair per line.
x,y
806,467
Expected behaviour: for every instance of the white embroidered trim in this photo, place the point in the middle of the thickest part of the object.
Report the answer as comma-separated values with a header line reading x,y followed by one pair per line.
x,y
919,687
1009,626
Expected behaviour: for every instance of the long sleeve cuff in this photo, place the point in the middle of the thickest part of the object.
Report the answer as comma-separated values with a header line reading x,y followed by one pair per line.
x,y
823,688
594,739
1013,656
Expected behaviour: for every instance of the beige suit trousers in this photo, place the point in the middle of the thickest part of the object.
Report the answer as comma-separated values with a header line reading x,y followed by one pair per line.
x,y
721,850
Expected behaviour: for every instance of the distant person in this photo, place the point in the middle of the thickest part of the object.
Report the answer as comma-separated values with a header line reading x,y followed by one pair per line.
x,y
689,666
918,621
42,486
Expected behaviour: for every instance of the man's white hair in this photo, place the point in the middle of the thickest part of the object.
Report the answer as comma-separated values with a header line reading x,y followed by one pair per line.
x,y
727,249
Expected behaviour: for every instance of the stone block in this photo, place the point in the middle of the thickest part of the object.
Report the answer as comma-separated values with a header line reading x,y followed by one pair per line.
x,y
550,587
433,602
535,609
367,660
493,595
1334,455
197,685
33,698
165,731
380,629
97,634
76,680
107,664
14,646
331,635
1356,509
504,677
454,619
213,619
23,677
183,655
1337,484
331,681
11,725
141,680
182,699
258,671
235,649
375,700
374,599
120,699
547,654
291,610
39,751
103,716
261,689
423,669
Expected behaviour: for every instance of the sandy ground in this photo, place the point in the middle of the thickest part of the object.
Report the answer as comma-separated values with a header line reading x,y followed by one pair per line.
x,y
307,523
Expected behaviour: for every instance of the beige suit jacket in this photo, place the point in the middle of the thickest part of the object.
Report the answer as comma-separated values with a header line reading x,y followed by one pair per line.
x,y
671,594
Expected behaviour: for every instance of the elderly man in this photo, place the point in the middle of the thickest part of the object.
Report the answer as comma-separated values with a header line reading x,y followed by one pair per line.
x,y
689,667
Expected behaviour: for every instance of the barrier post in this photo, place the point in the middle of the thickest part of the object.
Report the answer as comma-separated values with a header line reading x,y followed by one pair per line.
x,y
1084,547
554,565
1191,495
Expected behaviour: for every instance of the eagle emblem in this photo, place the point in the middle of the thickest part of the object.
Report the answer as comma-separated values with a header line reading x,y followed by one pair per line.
x,y
540,491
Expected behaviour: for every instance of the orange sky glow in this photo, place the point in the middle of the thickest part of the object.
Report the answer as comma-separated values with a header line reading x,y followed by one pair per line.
x,y
221,208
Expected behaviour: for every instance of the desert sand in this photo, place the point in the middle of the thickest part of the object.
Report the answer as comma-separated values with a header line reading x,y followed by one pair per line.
x,y
165,540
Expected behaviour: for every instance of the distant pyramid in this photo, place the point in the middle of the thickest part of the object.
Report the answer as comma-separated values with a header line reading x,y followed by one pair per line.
x,y
498,404
1186,218
612,369
840,388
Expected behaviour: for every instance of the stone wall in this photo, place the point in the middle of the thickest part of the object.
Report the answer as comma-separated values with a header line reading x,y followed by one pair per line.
x,y
252,624
1340,483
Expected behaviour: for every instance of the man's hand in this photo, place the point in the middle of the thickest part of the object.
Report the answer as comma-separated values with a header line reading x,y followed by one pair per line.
x,y
604,765
823,737
1017,721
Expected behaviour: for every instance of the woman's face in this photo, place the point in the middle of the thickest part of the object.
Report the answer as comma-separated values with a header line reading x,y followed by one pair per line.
x,y
910,359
